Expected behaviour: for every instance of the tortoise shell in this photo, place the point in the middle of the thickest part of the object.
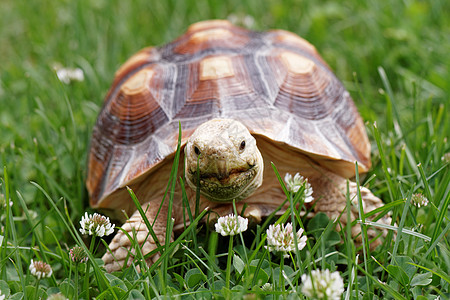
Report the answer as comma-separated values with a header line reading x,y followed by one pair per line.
x,y
274,82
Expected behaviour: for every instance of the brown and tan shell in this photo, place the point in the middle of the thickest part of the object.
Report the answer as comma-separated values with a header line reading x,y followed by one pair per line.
x,y
274,82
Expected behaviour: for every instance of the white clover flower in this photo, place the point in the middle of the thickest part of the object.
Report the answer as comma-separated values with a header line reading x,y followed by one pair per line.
x,y
67,75
230,225
446,157
281,238
267,287
2,297
40,269
3,202
58,296
96,224
323,285
33,214
77,255
294,185
419,200
241,20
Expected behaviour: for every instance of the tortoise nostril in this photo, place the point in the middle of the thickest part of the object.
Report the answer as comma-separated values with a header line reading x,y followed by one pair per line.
x,y
197,150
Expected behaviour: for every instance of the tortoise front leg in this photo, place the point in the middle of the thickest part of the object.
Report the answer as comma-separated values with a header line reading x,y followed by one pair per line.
x,y
121,246
330,193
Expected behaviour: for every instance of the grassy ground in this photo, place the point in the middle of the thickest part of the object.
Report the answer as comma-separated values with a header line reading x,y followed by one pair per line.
x,y
393,56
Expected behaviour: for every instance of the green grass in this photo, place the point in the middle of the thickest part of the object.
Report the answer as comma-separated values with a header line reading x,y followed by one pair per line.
x,y
393,57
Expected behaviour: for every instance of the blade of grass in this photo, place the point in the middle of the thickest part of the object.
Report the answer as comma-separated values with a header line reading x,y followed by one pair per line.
x,y
186,206
144,218
425,182
404,230
365,239
436,241
10,227
349,293
349,241
443,276
173,181
402,222
396,118
197,190
384,165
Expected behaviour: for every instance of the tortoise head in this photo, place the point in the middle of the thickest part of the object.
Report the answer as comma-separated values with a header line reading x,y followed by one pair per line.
x,y
223,160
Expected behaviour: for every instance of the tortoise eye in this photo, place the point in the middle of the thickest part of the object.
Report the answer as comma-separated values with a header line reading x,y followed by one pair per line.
x,y
242,146
196,150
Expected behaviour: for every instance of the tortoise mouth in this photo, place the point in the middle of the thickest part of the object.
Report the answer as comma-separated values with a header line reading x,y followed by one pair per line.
x,y
225,187
225,178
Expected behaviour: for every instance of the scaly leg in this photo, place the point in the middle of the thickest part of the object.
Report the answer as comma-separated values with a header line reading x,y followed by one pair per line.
x,y
121,246
330,191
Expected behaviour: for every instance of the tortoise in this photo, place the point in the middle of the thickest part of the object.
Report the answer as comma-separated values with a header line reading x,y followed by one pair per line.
x,y
243,99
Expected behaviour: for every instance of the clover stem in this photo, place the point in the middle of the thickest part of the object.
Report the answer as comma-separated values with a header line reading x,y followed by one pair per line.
x,y
76,281
230,254
281,272
36,289
86,278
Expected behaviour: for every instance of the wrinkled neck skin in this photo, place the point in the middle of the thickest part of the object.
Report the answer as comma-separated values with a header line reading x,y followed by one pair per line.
x,y
222,158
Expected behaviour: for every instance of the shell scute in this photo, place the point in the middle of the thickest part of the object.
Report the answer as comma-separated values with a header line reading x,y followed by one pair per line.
x,y
289,40
134,112
202,36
